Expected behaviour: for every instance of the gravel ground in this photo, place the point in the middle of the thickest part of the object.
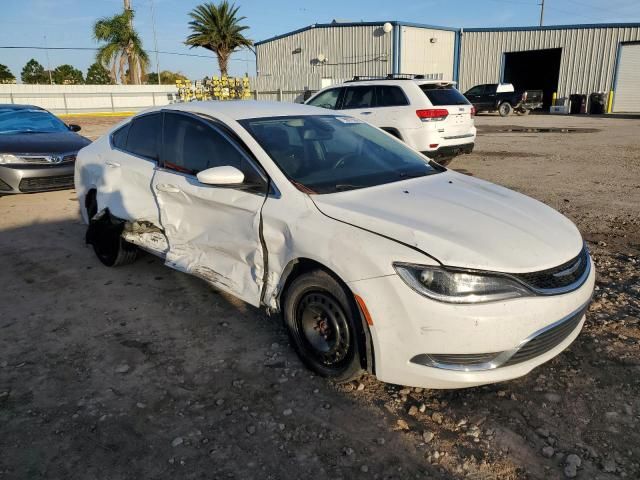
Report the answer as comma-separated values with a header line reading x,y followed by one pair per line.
x,y
144,372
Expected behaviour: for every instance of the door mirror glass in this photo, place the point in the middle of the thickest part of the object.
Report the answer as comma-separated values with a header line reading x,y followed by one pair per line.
x,y
74,128
225,175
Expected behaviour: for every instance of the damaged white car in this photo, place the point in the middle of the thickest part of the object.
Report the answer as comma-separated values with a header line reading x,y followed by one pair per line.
x,y
378,258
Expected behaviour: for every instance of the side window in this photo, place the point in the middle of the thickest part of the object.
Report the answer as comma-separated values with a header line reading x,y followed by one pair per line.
x,y
327,99
191,146
119,137
144,136
358,97
477,90
387,96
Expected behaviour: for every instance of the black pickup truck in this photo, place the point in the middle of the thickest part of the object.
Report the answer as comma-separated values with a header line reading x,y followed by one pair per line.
x,y
503,98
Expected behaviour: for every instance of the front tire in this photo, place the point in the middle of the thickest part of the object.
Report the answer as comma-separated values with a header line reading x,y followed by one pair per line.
x,y
505,109
322,317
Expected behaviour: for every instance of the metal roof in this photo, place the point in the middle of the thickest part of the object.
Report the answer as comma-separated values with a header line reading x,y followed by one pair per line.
x,y
397,23
554,27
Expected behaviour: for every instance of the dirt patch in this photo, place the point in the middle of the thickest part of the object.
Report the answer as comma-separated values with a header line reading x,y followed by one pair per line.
x,y
525,129
506,154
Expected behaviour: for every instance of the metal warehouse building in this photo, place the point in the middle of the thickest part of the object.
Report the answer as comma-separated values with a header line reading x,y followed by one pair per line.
x,y
563,59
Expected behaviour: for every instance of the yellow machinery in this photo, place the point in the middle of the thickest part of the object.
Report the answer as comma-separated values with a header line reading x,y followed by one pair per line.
x,y
225,88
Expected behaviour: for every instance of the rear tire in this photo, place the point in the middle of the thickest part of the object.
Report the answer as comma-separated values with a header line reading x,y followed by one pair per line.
x,y
505,109
105,235
322,320
115,252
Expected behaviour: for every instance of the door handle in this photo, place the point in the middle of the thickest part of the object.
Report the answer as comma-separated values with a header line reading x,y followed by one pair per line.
x,y
366,113
163,187
112,164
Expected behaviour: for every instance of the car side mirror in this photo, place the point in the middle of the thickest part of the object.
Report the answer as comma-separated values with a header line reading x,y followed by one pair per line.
x,y
74,128
225,175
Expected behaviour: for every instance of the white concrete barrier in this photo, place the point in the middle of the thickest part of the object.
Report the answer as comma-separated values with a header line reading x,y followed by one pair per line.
x,y
89,98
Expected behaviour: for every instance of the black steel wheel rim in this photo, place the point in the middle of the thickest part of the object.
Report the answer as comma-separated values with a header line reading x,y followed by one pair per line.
x,y
322,329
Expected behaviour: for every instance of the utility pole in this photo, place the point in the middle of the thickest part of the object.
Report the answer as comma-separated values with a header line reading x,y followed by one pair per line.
x,y
155,39
133,74
541,12
46,49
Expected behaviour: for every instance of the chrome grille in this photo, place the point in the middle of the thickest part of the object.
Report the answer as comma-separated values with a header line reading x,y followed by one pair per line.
x,y
547,340
535,345
561,277
53,159
43,184
467,360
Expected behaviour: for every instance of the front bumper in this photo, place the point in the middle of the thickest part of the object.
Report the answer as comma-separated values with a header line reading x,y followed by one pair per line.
x,y
35,178
408,326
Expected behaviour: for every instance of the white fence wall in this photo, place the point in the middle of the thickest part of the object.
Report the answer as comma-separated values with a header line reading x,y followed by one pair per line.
x,y
61,99
90,98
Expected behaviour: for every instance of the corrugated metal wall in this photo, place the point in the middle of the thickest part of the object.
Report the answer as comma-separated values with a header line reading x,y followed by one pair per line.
x,y
349,50
419,55
588,55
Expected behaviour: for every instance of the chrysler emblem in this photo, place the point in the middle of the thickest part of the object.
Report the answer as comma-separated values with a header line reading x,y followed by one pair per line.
x,y
568,271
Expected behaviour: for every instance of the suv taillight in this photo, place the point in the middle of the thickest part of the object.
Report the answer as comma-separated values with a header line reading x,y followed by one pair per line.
x,y
432,114
473,111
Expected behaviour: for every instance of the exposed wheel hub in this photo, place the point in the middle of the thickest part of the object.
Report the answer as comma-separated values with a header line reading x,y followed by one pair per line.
x,y
324,327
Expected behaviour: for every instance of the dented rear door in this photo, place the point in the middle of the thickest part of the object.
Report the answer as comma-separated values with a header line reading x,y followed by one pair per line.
x,y
213,232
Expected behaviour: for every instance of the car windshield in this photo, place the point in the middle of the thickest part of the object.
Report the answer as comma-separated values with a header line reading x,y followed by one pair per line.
x,y
29,121
327,154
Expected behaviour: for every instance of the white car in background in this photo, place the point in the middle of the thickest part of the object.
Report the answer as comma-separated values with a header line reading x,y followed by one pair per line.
x,y
430,116
378,258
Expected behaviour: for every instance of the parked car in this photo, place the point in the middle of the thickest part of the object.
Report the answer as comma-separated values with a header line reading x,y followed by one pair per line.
x,y
502,97
378,258
37,150
432,117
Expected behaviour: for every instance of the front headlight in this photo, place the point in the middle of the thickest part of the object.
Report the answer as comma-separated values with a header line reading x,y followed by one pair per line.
x,y
459,286
8,158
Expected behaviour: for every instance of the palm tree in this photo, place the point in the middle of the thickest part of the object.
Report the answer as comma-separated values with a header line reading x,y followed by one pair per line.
x,y
216,28
123,50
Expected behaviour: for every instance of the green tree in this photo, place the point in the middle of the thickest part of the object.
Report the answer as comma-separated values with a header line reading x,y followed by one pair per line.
x,y
122,49
33,72
98,75
217,28
167,77
5,75
67,75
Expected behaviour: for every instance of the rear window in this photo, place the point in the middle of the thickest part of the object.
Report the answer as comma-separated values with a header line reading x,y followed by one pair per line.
x,y
144,136
443,95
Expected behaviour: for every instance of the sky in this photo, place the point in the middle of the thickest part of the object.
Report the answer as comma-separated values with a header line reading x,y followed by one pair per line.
x,y
68,23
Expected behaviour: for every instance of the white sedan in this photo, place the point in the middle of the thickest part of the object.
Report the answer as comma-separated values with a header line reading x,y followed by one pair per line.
x,y
379,259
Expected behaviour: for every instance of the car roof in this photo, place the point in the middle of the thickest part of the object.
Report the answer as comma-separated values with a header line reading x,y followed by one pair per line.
x,y
398,82
14,106
243,109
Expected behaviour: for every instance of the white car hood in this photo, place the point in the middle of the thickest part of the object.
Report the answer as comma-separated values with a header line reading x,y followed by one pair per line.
x,y
461,221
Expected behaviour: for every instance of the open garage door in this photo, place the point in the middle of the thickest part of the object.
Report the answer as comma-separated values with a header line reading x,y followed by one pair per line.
x,y
626,97
534,70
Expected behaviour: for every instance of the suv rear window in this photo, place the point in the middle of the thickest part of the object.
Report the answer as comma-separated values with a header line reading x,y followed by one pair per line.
x,y
443,95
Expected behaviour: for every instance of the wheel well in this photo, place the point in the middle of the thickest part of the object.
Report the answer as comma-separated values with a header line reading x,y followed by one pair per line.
x,y
90,201
301,266
392,131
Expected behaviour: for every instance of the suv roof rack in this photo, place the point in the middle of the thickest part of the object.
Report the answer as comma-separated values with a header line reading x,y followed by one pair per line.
x,y
390,76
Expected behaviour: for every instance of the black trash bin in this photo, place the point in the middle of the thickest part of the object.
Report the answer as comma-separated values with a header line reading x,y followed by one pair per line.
x,y
578,103
597,102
